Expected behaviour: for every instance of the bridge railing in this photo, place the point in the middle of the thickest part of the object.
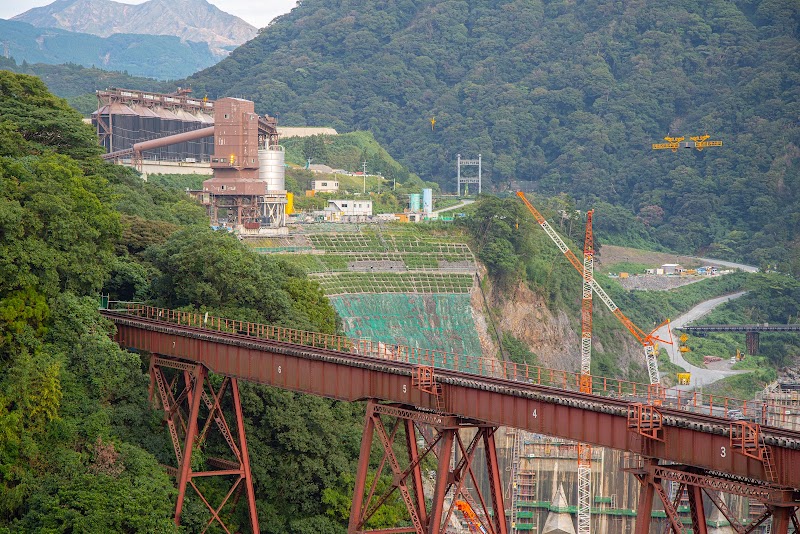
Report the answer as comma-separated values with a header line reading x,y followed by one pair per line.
x,y
763,412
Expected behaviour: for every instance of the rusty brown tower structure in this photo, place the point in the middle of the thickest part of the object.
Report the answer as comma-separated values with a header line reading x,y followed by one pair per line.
x,y
237,195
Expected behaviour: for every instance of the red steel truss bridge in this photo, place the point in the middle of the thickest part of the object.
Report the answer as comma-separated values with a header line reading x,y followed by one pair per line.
x,y
421,402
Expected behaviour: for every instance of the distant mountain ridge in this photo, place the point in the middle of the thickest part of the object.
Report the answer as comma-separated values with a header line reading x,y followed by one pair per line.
x,y
189,20
163,57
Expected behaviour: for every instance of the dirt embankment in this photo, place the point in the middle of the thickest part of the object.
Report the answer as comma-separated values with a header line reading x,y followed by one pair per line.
x,y
612,254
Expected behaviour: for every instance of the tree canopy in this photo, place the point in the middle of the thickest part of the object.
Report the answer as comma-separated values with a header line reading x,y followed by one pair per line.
x,y
560,97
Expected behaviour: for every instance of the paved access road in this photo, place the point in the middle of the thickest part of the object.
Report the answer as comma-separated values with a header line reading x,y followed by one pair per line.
x,y
730,264
700,376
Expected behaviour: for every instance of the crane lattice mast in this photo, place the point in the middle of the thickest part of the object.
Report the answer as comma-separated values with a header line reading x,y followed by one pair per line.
x,y
648,341
584,449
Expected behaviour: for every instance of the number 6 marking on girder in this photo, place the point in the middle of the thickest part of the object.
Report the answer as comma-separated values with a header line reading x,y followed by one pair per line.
x,y
723,452
279,369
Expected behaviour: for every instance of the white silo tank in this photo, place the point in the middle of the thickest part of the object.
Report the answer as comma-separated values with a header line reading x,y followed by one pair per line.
x,y
271,168
427,201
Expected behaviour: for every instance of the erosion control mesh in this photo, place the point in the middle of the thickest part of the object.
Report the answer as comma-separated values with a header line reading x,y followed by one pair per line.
x,y
431,321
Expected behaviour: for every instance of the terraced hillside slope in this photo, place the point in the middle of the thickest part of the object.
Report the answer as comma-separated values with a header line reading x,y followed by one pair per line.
x,y
394,284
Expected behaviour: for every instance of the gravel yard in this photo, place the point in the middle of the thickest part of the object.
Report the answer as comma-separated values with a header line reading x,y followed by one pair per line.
x,y
655,282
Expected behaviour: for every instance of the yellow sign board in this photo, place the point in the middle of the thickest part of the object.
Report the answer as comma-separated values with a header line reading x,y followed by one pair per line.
x,y
684,379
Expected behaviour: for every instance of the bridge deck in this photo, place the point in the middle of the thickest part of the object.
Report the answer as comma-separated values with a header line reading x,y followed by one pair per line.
x,y
689,438
741,328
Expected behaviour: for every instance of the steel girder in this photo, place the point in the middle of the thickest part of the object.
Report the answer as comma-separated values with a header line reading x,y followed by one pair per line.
x,y
599,421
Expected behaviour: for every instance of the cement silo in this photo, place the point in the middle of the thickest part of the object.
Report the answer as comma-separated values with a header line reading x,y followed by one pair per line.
x,y
271,168
427,201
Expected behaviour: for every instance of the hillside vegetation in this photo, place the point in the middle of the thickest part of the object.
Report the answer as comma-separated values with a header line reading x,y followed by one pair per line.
x,y
81,446
561,97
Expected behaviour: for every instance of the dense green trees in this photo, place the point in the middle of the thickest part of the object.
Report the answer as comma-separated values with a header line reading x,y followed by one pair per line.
x,y
560,97
80,446
64,385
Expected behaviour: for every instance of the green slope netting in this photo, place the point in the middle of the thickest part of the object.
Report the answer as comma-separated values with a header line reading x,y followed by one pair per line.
x,y
439,322
414,282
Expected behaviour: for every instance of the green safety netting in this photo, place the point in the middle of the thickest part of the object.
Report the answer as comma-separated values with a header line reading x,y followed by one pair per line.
x,y
432,321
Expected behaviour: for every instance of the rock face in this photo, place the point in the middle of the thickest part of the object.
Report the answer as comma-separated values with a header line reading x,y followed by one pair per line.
x,y
550,336
190,20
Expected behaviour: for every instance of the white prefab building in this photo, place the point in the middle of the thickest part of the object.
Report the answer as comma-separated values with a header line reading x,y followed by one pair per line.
x,y
672,268
325,186
350,207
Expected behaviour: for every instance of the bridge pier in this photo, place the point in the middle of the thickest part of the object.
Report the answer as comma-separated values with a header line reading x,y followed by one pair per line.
x,y
192,407
780,502
751,340
456,469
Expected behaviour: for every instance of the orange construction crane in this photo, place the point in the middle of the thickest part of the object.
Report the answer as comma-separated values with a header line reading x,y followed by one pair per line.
x,y
648,341
471,517
586,307
584,449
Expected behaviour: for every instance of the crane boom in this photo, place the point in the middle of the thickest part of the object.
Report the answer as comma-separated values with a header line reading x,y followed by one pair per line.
x,y
648,341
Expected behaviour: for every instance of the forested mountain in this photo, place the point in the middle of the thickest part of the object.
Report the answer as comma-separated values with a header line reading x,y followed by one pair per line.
x,y
561,96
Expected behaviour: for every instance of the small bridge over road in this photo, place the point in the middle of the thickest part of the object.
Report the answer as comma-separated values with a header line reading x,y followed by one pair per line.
x,y
751,331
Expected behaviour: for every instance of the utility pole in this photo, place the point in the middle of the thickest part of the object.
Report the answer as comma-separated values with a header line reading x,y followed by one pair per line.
x,y
364,166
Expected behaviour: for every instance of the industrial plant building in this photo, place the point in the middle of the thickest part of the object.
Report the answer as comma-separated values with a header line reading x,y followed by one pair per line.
x,y
125,117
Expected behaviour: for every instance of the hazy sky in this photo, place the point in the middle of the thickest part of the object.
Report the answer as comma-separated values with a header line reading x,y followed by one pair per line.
x,y
257,12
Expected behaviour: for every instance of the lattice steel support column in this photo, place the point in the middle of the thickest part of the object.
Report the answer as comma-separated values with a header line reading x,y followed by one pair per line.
x,y
697,510
192,408
495,484
184,470
645,505
248,476
451,481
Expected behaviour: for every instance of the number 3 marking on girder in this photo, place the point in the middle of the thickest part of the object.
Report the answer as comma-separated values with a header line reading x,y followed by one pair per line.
x,y
405,389
723,452
534,414
279,369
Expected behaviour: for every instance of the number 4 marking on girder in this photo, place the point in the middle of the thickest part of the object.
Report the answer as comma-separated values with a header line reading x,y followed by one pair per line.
x,y
534,414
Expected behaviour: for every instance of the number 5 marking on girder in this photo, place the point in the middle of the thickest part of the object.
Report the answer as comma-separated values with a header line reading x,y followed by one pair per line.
x,y
405,389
